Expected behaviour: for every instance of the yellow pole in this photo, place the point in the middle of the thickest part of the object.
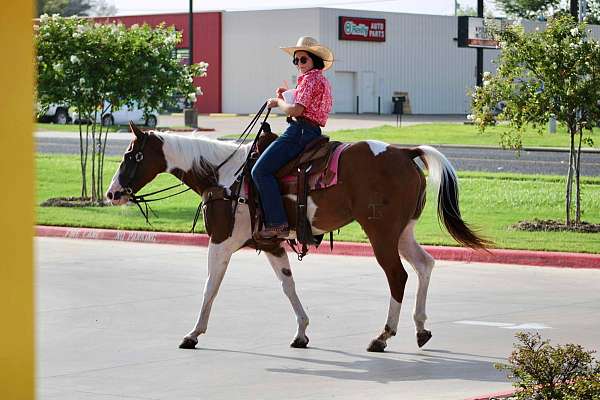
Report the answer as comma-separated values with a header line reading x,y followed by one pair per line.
x,y
17,345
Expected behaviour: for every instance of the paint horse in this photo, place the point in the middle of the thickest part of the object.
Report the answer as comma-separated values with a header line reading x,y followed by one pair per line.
x,y
380,186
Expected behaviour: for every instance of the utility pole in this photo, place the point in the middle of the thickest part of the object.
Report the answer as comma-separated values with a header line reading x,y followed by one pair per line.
x,y
574,6
479,49
190,115
191,33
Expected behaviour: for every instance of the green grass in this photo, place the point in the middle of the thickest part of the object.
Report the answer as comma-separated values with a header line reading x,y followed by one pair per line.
x,y
68,127
490,202
452,134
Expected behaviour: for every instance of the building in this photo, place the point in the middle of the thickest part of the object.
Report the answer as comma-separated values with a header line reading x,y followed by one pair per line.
x,y
377,55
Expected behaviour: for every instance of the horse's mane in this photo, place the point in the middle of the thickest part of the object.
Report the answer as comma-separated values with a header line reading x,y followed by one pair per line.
x,y
205,172
203,155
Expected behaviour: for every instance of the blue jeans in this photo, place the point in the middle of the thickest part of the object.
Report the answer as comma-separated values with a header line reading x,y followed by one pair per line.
x,y
287,147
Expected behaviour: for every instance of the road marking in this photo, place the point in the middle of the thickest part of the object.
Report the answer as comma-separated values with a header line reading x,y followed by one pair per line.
x,y
506,325
528,326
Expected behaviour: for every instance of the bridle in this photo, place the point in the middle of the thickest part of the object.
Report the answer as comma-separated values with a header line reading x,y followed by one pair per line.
x,y
130,166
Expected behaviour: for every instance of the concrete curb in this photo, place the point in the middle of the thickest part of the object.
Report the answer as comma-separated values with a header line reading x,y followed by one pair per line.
x,y
520,257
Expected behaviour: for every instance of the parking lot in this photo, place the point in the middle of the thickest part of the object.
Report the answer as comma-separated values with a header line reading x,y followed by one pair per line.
x,y
110,316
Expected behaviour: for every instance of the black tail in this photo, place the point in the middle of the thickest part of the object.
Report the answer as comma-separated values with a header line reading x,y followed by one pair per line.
x,y
442,175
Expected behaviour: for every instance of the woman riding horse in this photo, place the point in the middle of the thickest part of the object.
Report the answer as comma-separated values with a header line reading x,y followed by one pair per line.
x,y
307,113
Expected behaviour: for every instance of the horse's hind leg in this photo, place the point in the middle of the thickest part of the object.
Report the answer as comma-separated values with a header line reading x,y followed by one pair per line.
x,y
386,252
281,265
423,264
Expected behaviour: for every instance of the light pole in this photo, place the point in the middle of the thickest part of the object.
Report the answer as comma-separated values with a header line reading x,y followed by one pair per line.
x,y
479,49
190,115
191,33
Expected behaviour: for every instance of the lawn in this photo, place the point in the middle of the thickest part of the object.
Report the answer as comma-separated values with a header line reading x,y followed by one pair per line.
x,y
454,134
69,127
490,202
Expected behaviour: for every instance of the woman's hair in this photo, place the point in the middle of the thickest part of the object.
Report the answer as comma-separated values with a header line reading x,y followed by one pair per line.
x,y
317,61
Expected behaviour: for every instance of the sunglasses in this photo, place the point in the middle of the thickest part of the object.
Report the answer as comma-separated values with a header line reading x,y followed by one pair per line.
x,y
302,60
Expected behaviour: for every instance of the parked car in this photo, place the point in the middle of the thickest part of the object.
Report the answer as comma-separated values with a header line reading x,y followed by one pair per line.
x,y
124,114
57,113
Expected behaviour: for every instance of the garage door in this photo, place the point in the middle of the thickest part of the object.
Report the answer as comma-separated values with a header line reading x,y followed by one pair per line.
x,y
344,94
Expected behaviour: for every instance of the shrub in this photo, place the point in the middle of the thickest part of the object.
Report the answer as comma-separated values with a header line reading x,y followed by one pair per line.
x,y
543,372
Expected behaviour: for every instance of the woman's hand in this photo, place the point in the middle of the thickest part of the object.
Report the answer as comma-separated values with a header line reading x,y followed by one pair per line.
x,y
272,103
279,92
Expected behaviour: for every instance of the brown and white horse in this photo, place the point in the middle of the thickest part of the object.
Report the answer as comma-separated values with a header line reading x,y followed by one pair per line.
x,y
379,185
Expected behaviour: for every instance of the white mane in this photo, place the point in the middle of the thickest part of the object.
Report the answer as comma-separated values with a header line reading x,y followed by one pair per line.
x,y
184,151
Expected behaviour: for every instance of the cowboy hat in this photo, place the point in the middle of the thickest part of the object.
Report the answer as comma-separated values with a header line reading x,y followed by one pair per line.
x,y
311,45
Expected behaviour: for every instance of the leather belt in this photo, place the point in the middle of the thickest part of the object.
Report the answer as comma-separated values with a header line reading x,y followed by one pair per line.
x,y
304,121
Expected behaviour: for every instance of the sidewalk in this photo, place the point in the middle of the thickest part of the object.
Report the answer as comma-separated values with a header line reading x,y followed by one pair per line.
x,y
497,256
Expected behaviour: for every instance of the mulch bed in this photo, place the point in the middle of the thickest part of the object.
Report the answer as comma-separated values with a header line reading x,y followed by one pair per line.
x,y
549,225
73,202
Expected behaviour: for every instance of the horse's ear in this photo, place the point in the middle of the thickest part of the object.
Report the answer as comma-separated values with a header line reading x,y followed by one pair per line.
x,y
135,130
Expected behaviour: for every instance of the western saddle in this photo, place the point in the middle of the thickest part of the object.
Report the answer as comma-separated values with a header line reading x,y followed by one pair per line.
x,y
293,178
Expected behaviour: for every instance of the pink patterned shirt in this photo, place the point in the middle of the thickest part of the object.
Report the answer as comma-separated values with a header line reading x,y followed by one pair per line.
x,y
314,93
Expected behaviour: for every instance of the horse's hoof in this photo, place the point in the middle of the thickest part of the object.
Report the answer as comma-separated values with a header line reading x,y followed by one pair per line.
x,y
300,343
188,343
377,346
423,337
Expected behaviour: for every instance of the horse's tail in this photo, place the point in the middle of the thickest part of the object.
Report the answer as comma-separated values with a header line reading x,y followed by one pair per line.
x,y
443,177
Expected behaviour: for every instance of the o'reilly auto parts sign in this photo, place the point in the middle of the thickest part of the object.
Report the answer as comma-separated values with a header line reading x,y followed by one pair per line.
x,y
363,29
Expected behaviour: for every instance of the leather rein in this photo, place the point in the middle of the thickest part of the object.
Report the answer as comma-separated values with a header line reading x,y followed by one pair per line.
x,y
132,161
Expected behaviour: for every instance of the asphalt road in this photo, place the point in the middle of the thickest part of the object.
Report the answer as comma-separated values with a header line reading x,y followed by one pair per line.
x,y
110,316
463,158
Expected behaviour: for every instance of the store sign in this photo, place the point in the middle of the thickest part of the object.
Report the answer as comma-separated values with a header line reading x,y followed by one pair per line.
x,y
477,32
363,29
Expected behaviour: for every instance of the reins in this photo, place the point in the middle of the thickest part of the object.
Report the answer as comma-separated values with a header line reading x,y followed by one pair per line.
x,y
137,200
237,185
139,156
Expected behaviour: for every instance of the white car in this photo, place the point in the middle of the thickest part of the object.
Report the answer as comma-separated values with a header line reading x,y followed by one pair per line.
x,y
123,115
57,113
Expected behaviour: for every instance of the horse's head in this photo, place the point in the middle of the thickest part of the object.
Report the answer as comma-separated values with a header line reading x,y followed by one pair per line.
x,y
143,160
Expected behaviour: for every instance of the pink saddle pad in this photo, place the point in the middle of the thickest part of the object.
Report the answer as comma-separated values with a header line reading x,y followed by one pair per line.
x,y
326,178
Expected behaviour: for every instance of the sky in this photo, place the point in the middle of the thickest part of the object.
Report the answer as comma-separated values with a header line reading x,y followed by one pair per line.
x,y
440,7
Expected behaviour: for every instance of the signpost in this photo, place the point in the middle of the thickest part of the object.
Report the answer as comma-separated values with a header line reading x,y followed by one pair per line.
x,y
477,32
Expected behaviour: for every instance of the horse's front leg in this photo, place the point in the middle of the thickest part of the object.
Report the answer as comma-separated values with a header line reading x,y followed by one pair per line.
x,y
219,255
281,265
218,260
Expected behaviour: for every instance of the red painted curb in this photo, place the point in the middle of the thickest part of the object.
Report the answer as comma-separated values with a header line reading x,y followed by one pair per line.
x,y
498,395
521,257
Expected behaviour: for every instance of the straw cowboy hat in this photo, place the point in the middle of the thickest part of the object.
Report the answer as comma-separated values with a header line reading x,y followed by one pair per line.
x,y
311,45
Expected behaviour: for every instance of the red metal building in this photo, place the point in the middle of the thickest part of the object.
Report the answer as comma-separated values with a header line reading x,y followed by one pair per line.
x,y
207,48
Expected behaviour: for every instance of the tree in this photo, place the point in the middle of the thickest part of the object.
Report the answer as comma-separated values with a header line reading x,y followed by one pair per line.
x,y
544,74
94,66
530,9
544,9
69,8
101,8
66,8
593,12
466,10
